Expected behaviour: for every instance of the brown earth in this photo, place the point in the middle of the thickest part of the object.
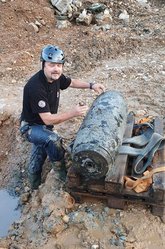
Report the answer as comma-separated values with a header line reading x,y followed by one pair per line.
x,y
130,58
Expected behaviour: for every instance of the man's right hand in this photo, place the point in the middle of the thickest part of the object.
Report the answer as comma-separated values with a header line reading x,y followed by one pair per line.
x,y
81,110
51,119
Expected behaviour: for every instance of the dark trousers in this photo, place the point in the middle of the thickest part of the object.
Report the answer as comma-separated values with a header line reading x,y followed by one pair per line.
x,y
45,143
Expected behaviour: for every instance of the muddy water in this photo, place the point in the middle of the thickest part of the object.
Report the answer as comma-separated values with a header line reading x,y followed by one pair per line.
x,y
9,211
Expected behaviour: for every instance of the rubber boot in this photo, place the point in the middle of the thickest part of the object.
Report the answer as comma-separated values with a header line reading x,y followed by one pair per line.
x,y
35,180
60,169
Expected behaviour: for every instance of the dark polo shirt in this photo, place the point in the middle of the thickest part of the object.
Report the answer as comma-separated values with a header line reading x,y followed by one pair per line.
x,y
40,96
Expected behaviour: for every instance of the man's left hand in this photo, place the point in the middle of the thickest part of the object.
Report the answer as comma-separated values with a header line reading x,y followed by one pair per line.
x,y
99,88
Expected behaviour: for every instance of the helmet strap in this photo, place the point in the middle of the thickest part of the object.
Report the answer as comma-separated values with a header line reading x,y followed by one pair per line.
x,y
43,63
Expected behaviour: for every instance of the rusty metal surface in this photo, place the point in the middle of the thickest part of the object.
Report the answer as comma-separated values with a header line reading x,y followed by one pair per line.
x,y
100,135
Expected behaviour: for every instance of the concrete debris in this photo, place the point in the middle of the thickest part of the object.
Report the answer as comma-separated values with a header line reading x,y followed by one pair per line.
x,y
124,16
61,5
103,17
62,24
84,18
86,13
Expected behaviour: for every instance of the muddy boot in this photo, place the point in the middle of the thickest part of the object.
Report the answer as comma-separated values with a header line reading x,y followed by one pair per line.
x,y
35,180
60,169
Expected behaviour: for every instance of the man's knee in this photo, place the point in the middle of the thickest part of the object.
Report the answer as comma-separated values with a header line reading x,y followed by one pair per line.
x,y
58,151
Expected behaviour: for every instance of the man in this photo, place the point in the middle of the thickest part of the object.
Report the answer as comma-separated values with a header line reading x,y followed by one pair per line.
x,y
39,114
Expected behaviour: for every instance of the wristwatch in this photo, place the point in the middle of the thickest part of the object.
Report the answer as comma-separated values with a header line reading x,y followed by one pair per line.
x,y
91,85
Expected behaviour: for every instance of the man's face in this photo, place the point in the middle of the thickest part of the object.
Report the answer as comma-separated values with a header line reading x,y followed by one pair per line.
x,y
52,70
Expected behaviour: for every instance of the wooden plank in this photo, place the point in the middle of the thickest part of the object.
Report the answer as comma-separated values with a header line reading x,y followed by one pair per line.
x,y
158,185
114,178
114,202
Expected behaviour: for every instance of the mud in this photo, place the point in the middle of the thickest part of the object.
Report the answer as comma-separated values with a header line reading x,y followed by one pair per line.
x,y
129,58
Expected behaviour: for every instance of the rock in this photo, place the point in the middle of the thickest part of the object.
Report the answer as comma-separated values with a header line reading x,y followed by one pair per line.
x,y
24,198
32,27
63,24
84,18
65,218
42,22
96,8
130,239
95,247
38,24
103,18
124,16
54,225
142,2
61,5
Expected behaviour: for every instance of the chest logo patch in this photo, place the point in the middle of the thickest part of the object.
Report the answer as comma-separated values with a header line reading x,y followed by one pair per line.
x,y
41,104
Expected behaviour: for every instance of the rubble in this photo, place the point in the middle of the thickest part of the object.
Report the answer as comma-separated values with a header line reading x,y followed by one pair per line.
x,y
97,13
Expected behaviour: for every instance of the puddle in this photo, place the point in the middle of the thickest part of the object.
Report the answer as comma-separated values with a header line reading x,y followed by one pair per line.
x,y
9,211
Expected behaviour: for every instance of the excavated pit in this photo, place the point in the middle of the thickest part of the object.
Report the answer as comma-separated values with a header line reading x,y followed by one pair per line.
x,y
129,58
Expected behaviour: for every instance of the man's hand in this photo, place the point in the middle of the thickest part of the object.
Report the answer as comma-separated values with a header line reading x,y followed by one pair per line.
x,y
51,119
80,110
99,88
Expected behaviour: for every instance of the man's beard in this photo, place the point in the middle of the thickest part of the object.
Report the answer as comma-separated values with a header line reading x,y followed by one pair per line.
x,y
55,76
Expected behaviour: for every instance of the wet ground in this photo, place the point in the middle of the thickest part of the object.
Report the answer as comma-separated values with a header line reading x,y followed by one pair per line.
x,y
9,211
127,59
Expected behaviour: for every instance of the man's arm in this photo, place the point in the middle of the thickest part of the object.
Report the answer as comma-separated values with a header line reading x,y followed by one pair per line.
x,y
97,87
51,119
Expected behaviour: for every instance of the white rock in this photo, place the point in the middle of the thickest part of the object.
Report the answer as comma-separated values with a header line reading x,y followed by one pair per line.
x,y
65,218
124,16
95,247
142,2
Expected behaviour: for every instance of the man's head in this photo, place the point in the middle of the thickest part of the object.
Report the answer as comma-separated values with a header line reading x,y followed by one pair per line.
x,y
52,58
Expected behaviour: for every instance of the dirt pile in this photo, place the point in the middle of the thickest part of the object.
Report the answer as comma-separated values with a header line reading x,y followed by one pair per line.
x,y
128,57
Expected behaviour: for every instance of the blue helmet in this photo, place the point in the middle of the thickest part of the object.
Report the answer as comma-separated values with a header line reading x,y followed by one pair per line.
x,y
52,53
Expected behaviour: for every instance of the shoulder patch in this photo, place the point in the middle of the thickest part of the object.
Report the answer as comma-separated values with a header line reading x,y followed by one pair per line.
x,y
41,103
